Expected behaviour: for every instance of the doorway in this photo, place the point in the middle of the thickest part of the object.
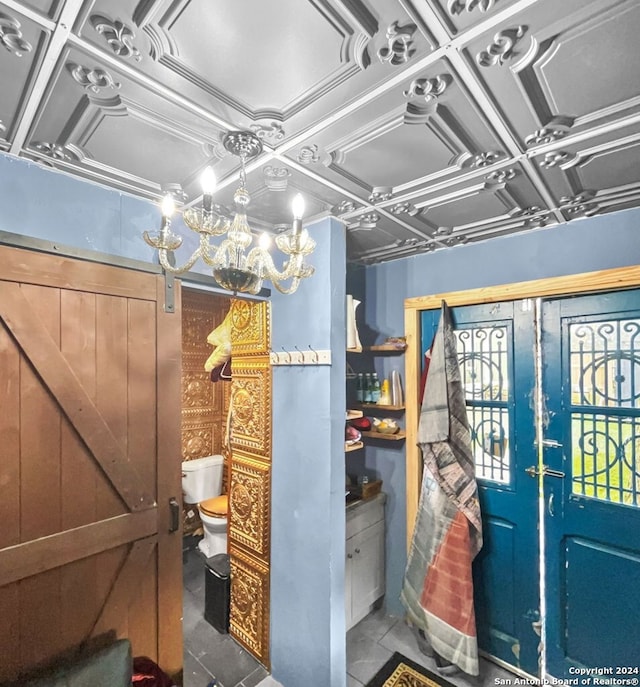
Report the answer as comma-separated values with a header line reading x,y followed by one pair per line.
x,y
561,560
247,471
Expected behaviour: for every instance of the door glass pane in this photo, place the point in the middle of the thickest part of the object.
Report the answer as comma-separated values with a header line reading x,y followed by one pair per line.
x,y
482,354
605,418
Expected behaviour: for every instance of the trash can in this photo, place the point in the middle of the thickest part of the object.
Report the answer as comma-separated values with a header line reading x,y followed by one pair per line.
x,y
217,591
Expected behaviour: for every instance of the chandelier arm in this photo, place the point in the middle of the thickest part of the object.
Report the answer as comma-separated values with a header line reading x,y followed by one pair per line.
x,y
261,262
163,255
295,282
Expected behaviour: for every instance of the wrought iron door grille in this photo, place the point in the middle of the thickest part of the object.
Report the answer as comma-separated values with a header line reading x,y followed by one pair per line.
x,y
482,354
605,410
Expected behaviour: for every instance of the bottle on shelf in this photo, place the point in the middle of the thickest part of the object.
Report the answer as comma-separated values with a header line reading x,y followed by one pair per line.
x,y
375,388
367,388
360,388
385,393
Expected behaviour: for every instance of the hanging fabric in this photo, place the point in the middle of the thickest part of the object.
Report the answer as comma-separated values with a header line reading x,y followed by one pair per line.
x,y
218,364
438,586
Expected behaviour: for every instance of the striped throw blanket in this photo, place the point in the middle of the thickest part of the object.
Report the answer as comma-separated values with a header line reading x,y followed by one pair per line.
x,y
438,585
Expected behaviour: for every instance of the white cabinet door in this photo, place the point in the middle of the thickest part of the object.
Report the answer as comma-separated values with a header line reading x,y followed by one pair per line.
x,y
365,571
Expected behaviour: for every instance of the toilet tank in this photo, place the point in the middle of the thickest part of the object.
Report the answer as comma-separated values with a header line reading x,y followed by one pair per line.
x,y
202,478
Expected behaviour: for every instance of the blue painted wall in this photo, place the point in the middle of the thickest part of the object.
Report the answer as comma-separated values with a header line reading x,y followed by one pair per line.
x,y
582,246
308,410
307,573
308,514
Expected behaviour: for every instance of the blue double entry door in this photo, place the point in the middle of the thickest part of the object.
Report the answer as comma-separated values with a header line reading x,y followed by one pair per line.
x,y
553,398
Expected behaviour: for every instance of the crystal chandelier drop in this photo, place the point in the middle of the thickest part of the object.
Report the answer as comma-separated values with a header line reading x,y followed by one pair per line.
x,y
233,267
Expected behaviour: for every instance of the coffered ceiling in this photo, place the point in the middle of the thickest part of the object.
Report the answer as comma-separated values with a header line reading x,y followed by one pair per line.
x,y
421,123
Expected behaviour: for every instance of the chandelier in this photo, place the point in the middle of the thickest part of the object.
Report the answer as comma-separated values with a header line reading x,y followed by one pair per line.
x,y
233,267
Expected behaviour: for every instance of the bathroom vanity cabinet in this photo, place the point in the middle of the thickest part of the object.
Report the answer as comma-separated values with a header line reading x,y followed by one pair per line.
x,y
364,564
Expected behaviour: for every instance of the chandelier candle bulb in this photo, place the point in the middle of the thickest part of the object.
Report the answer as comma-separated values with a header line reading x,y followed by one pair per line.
x,y
298,210
168,207
208,183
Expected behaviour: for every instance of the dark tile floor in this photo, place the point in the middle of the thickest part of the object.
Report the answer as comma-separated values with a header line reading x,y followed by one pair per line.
x,y
208,654
372,642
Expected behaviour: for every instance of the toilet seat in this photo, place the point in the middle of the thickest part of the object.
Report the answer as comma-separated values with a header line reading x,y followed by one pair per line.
x,y
217,507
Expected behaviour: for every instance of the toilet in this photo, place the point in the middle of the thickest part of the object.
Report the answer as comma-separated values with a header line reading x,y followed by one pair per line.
x,y
202,484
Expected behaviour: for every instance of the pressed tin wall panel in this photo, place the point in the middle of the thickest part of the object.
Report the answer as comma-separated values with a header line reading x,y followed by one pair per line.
x,y
249,621
251,401
250,504
250,476
204,409
250,328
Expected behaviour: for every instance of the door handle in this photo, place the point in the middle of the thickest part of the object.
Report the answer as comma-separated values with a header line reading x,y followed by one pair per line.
x,y
174,514
533,471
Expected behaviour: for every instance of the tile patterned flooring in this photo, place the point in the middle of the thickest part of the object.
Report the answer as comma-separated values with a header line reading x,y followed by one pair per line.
x,y
209,654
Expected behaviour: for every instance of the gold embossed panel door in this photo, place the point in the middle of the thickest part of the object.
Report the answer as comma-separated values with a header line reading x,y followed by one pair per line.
x,y
250,490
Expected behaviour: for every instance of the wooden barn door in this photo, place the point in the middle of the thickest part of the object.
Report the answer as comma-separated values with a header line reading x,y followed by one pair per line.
x,y
89,453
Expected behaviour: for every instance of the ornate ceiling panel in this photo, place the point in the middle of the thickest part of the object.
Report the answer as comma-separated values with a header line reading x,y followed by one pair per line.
x,y
422,125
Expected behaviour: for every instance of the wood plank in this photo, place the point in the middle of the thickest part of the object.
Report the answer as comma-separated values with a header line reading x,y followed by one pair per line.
x,y
9,440
169,344
601,280
40,555
80,474
126,585
57,374
141,390
31,267
9,632
40,419
112,379
40,617
412,370
142,613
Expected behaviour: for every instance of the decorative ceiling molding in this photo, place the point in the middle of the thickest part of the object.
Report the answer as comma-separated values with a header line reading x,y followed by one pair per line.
x,y
500,176
271,132
92,80
276,178
58,152
119,36
553,158
428,89
365,222
399,49
11,36
459,6
556,129
308,155
502,48
380,194
389,111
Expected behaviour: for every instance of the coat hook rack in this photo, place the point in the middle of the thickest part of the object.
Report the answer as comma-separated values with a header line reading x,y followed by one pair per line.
x,y
301,357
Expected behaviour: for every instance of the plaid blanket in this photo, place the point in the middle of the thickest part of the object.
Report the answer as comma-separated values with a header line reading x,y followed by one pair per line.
x,y
438,585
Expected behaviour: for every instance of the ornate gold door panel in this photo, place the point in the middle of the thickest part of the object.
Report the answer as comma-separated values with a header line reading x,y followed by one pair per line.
x,y
250,490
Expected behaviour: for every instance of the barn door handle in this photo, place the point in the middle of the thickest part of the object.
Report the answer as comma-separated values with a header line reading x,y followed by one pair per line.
x,y
174,513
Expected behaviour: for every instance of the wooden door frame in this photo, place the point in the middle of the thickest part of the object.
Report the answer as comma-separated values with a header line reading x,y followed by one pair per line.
x,y
567,285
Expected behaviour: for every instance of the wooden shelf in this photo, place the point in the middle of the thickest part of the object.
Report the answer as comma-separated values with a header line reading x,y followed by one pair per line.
x,y
385,348
353,447
398,436
377,406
